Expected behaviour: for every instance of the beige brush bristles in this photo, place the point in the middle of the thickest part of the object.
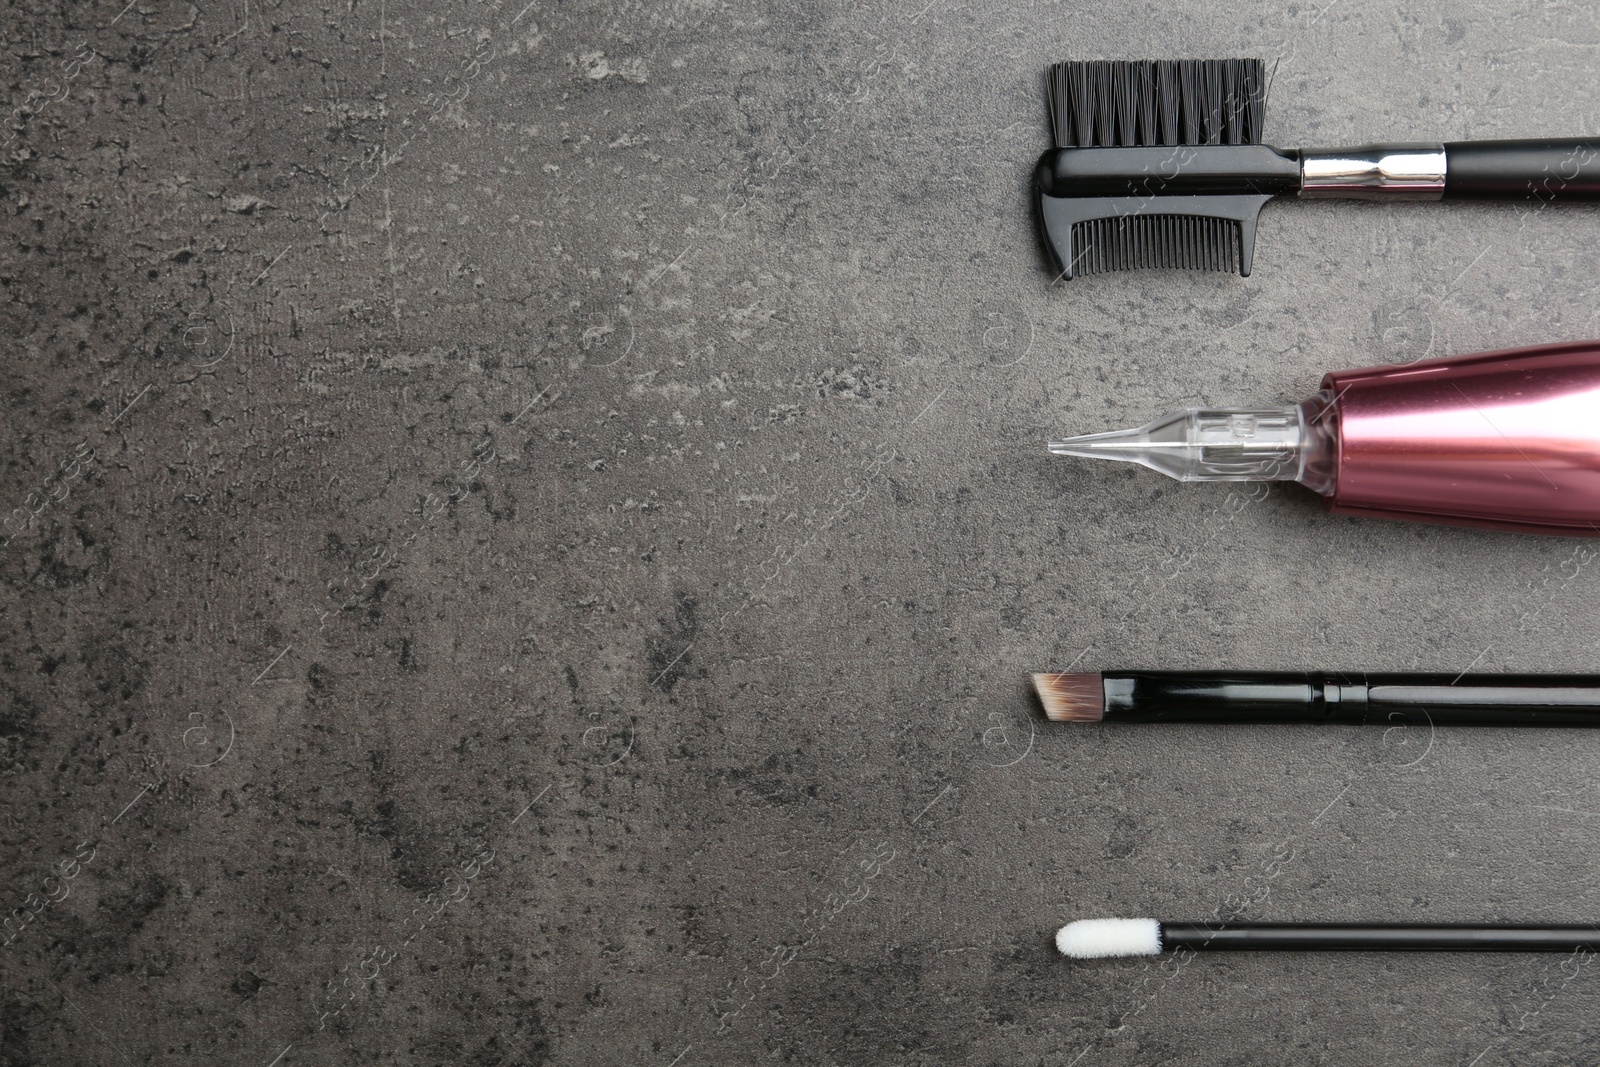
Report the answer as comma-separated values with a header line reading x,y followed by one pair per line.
x,y
1071,697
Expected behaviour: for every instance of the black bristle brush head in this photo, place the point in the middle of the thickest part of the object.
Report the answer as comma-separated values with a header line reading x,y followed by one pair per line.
x,y
1148,103
1152,104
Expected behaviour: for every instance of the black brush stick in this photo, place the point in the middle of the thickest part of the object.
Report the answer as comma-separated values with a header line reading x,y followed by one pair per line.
x,y
1542,170
1160,164
1321,697
1089,939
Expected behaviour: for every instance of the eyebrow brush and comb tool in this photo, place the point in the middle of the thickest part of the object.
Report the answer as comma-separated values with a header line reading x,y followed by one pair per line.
x,y
1160,164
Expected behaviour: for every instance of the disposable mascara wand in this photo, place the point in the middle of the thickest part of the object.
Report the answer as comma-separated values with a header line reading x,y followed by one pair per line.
x,y
1316,697
1092,939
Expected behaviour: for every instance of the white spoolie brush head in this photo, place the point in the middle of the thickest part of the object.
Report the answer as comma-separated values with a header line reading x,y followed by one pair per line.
x,y
1093,939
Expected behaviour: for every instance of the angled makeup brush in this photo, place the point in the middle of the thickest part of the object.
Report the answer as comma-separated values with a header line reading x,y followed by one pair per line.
x,y
1355,698
1092,939
1160,164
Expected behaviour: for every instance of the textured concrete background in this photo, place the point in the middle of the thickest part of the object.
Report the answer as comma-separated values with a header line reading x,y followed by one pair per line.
x,y
527,524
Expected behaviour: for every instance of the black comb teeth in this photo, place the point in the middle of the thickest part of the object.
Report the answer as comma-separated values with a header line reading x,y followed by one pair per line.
x,y
1183,242
1107,104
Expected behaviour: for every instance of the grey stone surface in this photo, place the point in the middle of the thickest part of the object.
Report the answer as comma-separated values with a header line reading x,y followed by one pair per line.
x,y
542,527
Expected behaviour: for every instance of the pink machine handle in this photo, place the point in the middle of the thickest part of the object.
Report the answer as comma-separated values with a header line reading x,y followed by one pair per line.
x,y
1503,440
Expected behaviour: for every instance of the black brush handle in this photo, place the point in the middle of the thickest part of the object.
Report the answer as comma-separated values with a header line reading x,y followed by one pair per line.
x,y
1355,698
1379,937
1542,170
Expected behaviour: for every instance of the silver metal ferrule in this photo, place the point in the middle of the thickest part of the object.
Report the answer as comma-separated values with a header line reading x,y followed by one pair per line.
x,y
1374,172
